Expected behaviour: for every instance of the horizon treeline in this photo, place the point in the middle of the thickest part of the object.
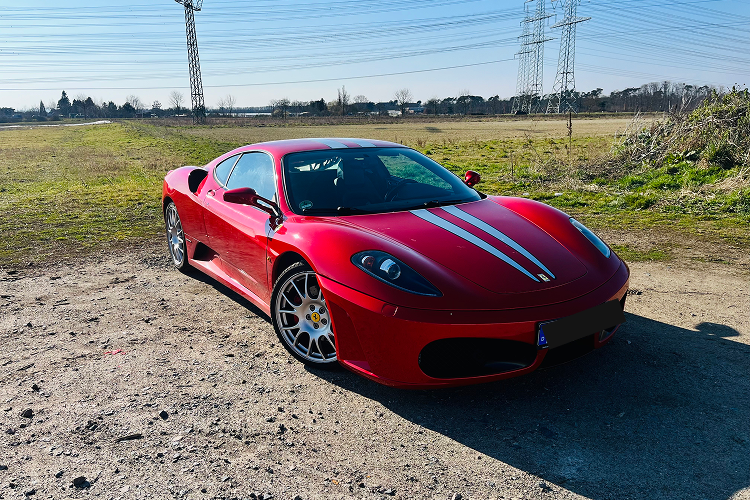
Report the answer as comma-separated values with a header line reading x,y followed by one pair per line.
x,y
651,97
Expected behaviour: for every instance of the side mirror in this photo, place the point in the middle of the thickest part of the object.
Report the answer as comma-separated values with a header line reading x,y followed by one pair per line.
x,y
472,178
248,196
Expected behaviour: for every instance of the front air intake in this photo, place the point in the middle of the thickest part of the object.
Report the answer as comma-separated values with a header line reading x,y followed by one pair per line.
x,y
472,357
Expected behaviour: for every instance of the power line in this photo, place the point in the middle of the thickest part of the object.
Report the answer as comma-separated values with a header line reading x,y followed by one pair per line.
x,y
635,27
290,82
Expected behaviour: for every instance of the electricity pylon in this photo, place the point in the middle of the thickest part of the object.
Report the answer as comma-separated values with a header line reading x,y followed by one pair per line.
x,y
196,84
562,99
520,103
531,62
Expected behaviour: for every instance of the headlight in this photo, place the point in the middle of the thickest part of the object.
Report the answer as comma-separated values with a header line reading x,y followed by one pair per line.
x,y
598,243
389,269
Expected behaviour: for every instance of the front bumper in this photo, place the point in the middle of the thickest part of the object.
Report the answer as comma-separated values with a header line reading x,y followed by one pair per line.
x,y
384,342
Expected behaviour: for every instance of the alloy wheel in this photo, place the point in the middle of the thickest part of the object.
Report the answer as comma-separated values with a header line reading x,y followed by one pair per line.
x,y
303,319
175,235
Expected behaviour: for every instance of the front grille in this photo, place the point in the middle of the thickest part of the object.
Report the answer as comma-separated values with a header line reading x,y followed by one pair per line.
x,y
473,357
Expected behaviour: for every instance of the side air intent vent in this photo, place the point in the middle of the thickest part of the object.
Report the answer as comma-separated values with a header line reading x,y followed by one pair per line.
x,y
195,178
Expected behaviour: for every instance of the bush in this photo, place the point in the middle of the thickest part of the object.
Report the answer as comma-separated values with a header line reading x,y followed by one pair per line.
x,y
717,132
720,154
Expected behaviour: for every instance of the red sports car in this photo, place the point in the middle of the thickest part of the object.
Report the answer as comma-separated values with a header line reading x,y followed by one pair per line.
x,y
370,255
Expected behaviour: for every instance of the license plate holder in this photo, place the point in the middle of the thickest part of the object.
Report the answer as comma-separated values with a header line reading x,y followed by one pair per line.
x,y
551,334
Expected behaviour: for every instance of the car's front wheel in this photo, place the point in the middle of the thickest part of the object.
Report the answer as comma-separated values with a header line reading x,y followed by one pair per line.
x,y
175,237
301,318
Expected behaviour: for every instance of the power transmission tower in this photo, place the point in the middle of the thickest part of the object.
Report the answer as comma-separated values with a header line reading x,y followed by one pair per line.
x,y
531,63
562,99
196,84
520,102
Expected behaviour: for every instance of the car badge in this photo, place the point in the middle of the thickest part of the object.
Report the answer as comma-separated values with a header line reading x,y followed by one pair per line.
x,y
315,317
543,276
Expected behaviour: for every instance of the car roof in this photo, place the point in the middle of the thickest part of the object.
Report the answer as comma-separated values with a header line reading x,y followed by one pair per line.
x,y
280,148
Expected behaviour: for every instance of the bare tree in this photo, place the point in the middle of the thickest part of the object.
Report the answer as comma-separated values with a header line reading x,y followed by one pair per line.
x,y
343,100
176,99
361,102
280,105
229,102
136,102
403,98
222,105
283,105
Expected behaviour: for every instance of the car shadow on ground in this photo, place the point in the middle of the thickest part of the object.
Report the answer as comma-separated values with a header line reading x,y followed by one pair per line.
x,y
226,291
660,412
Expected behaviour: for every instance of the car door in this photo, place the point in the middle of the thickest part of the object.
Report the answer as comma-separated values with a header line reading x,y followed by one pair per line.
x,y
239,233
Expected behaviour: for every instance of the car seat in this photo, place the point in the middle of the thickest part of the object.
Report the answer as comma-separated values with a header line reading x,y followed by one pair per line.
x,y
353,184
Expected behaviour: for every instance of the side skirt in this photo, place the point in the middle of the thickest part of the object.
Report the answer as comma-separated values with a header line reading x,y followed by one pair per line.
x,y
212,268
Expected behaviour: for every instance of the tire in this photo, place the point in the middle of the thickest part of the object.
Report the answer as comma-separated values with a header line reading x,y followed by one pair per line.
x,y
301,318
175,237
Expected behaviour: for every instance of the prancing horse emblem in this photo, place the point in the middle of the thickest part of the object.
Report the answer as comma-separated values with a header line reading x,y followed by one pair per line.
x,y
543,276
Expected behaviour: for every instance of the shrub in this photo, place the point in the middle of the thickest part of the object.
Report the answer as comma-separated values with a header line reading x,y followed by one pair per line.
x,y
718,132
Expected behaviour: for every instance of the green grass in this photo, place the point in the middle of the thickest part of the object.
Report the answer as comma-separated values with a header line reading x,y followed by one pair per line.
x,y
687,196
631,254
72,190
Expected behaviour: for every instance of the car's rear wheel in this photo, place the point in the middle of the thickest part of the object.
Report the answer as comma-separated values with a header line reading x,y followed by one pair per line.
x,y
301,317
175,237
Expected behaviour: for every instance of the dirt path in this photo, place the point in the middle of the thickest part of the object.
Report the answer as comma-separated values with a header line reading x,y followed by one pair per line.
x,y
98,348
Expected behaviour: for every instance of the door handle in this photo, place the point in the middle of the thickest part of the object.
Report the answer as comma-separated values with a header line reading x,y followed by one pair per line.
x,y
211,192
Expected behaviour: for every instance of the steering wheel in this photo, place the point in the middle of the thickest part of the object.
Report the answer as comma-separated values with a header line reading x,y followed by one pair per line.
x,y
391,194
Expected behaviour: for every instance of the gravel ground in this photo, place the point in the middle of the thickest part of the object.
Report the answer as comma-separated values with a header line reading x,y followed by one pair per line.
x,y
122,378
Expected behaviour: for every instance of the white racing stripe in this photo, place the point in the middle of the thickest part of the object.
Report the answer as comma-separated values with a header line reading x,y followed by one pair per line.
x,y
464,234
480,224
361,143
332,144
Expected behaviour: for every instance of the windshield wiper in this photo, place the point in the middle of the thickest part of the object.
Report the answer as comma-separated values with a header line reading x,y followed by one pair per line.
x,y
438,203
319,211
352,211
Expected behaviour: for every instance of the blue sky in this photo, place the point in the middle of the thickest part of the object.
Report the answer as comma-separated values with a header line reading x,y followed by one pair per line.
x,y
256,49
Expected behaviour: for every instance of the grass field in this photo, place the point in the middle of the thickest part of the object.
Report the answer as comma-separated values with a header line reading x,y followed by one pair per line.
x,y
68,190
414,133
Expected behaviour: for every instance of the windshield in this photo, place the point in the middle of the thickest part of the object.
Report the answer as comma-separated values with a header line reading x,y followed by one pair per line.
x,y
369,180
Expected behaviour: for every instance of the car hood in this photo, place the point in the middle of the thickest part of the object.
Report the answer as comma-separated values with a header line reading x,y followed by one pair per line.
x,y
482,241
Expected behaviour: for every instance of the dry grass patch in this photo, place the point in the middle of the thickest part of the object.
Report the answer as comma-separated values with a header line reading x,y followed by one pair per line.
x,y
420,133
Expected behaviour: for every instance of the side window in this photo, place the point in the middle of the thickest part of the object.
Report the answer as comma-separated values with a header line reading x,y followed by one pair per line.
x,y
222,169
254,170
